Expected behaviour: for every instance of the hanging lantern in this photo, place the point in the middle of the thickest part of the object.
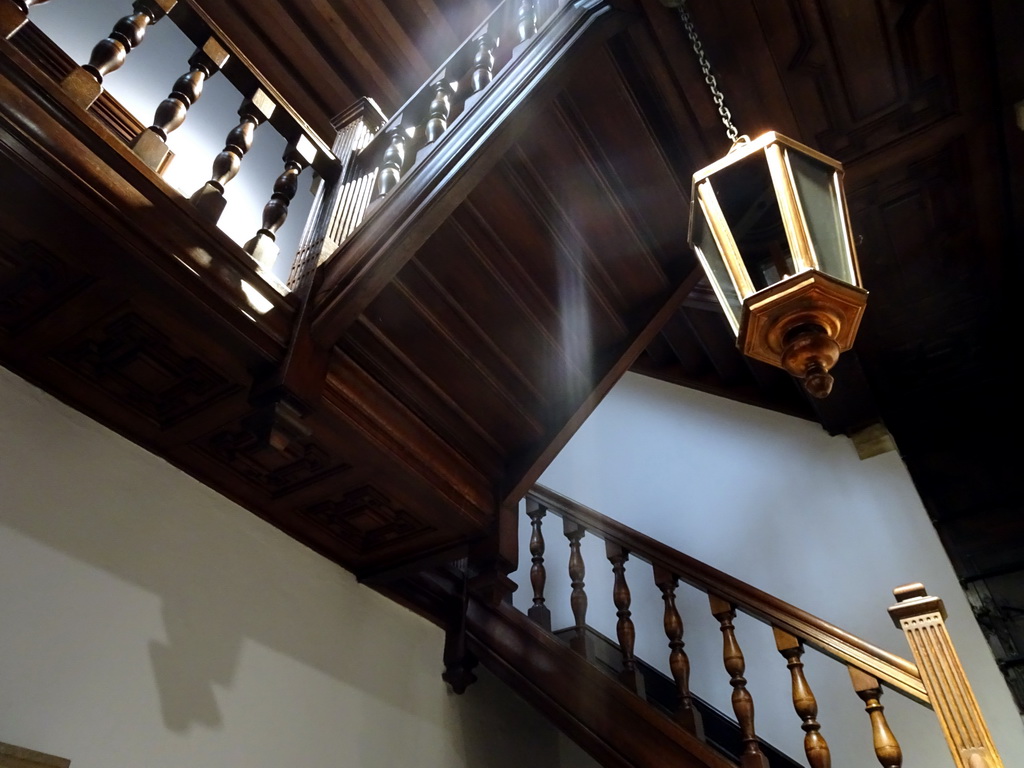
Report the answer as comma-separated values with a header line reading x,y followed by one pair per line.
x,y
770,226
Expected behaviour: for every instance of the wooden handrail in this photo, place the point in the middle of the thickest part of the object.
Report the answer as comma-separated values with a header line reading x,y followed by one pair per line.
x,y
898,673
403,111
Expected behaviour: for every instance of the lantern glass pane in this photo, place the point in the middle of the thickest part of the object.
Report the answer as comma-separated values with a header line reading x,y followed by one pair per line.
x,y
714,267
818,188
748,201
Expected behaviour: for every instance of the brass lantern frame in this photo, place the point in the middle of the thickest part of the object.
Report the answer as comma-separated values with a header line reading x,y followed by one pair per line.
x,y
811,301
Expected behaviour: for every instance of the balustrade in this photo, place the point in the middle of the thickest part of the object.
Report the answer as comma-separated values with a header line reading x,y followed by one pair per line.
x,y
209,199
624,629
439,110
151,144
887,749
938,681
263,248
85,84
539,612
483,61
214,53
678,661
735,665
393,162
578,600
458,84
815,746
526,19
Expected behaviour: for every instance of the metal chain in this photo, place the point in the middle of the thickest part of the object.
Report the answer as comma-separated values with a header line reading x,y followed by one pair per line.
x,y
730,130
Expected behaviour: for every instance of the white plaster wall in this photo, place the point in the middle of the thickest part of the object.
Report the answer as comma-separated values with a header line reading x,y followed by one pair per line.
x,y
147,621
776,502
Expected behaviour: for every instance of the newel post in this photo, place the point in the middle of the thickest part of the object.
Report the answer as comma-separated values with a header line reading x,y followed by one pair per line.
x,y
922,619
339,204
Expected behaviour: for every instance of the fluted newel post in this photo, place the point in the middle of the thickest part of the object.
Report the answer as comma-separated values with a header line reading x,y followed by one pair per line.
x,y
14,14
578,600
815,746
624,629
887,749
439,110
263,247
678,661
539,612
483,62
742,701
922,619
393,162
338,207
209,199
526,19
84,84
151,144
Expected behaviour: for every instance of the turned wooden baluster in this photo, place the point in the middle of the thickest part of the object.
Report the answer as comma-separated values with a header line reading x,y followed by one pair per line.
x,y
483,62
85,83
151,143
263,247
539,612
815,746
742,701
526,17
624,629
678,661
578,600
209,199
439,110
392,162
887,749
14,14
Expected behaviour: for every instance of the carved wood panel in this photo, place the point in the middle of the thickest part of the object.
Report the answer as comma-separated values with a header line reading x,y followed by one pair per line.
x,y
33,282
366,520
863,74
241,448
918,254
137,364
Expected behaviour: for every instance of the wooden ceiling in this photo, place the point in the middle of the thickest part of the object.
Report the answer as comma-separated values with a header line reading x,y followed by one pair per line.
x,y
468,378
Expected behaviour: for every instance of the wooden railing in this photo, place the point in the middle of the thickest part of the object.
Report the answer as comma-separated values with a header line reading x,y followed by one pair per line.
x,y
937,680
260,103
368,157
452,88
381,153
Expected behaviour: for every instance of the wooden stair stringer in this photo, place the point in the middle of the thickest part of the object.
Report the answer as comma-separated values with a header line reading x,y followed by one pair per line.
x,y
614,725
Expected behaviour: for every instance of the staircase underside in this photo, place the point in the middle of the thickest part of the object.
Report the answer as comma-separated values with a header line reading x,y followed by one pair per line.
x,y
459,361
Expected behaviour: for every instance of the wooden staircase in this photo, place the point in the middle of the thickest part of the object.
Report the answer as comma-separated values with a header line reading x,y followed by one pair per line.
x,y
619,709
479,270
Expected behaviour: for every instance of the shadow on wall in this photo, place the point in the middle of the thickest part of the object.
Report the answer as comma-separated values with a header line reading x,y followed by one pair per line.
x,y
224,579
144,615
